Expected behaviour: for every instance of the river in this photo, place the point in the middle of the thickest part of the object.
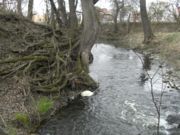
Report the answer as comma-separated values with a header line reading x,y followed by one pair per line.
x,y
122,105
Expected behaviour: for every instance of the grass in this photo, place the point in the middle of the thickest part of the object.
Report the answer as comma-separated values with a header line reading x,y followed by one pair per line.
x,y
41,107
165,44
23,119
12,131
170,48
44,105
172,37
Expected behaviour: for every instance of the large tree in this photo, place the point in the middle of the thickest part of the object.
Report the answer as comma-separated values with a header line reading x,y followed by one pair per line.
x,y
148,34
90,31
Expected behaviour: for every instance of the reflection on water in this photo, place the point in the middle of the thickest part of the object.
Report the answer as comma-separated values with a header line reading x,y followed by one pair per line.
x,y
143,78
147,61
122,105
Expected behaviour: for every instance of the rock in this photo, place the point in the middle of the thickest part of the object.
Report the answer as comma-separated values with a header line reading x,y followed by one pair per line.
x,y
174,131
87,93
173,119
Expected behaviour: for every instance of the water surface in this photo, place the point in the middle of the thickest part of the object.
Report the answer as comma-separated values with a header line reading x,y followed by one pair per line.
x,y
122,105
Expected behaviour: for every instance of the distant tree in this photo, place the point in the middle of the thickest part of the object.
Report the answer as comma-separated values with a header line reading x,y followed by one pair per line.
x,y
176,12
30,9
73,21
47,14
117,4
123,13
62,10
12,5
158,11
19,7
2,4
54,11
148,34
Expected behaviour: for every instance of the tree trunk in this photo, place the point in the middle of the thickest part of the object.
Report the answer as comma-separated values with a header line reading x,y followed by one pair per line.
x,y
148,34
19,9
47,16
116,29
30,9
128,23
118,5
73,21
63,14
52,19
117,9
90,31
4,4
55,11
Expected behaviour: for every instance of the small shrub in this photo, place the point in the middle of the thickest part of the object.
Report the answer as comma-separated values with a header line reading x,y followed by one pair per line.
x,y
12,131
172,37
23,119
44,105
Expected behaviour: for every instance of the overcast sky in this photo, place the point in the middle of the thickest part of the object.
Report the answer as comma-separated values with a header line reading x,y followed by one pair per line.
x,y
39,6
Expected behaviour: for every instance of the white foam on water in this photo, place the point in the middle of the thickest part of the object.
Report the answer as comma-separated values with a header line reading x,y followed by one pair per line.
x,y
131,104
141,117
123,115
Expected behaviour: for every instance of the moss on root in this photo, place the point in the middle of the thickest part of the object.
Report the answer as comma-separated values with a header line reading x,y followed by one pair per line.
x,y
23,119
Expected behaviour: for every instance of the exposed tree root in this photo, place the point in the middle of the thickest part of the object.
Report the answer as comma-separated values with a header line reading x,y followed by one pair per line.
x,y
26,58
46,56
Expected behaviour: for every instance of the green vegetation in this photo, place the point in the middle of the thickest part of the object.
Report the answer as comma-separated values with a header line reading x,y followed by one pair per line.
x,y
52,57
172,37
44,105
165,44
170,48
23,119
12,131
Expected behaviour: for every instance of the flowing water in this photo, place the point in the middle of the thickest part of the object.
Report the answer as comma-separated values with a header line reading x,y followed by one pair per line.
x,y
122,105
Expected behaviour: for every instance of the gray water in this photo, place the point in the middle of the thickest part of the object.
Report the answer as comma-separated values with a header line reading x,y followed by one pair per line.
x,y
122,105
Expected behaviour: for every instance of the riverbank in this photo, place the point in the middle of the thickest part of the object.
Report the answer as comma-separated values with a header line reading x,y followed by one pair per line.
x,y
23,111
165,45
39,73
